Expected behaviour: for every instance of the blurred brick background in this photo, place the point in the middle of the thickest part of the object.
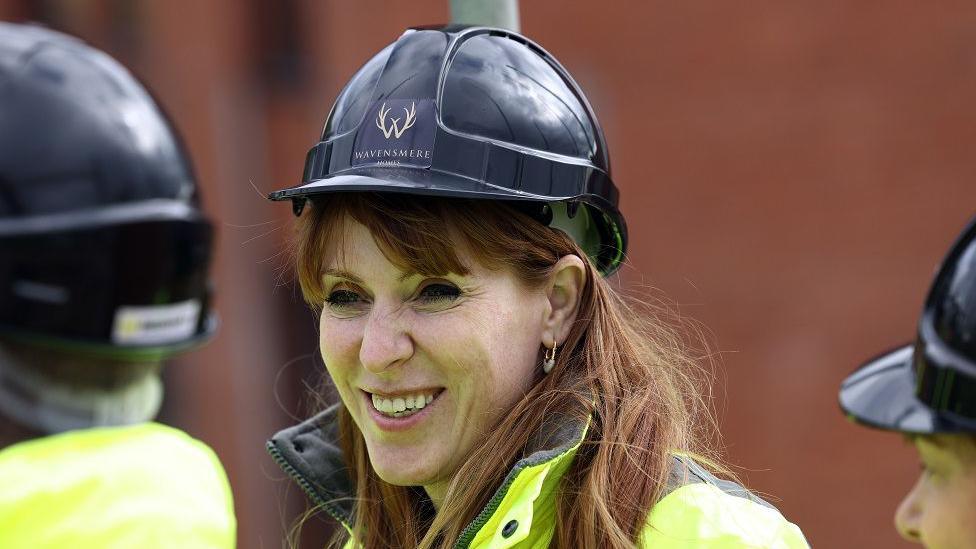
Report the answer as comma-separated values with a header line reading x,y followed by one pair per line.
x,y
791,172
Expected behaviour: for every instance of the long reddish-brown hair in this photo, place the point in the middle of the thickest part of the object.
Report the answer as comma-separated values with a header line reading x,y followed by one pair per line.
x,y
622,366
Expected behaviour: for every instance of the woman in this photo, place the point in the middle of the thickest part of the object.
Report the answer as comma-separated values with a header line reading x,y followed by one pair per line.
x,y
454,226
927,391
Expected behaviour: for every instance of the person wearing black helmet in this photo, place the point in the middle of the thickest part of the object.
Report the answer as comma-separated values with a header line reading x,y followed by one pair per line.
x,y
927,390
455,225
104,253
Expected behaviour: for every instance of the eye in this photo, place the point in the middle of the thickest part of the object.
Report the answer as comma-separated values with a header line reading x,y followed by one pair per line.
x,y
339,299
438,292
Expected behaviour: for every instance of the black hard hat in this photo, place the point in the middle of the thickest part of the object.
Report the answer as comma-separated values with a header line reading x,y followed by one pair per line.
x,y
478,113
103,246
928,387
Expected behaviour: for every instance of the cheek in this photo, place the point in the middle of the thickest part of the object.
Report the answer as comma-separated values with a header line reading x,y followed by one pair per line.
x,y
950,515
962,505
339,344
510,344
514,360
486,353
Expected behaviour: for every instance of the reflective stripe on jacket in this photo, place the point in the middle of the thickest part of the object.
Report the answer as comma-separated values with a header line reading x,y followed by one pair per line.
x,y
698,511
147,486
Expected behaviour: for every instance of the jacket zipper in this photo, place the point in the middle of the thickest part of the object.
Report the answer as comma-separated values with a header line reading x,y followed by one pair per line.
x,y
331,509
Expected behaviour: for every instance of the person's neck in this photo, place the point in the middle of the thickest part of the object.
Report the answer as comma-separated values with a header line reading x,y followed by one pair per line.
x,y
52,392
437,492
12,431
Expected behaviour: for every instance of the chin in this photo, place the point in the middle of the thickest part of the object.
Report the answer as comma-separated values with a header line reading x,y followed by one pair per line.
x,y
405,468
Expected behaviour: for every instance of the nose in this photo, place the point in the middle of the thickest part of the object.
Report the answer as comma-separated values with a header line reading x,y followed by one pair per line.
x,y
386,341
909,514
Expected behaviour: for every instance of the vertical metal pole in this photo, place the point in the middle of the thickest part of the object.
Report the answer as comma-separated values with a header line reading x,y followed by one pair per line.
x,y
490,13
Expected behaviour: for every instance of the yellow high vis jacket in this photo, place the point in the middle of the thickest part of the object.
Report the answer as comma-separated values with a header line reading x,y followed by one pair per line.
x,y
699,510
145,486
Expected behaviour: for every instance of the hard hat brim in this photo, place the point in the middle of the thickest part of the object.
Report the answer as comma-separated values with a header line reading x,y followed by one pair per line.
x,y
409,181
607,218
881,394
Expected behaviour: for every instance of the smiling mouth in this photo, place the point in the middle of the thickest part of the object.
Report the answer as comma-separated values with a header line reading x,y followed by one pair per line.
x,y
403,405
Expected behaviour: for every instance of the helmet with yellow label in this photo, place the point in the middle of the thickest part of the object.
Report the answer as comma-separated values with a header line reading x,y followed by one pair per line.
x,y
103,246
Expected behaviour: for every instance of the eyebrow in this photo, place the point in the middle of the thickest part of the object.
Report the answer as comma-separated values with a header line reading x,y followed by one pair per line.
x,y
339,273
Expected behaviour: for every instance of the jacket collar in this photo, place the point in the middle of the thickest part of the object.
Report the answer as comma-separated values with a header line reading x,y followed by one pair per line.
x,y
309,452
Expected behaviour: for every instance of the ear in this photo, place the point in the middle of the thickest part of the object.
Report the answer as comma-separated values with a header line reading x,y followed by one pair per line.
x,y
563,291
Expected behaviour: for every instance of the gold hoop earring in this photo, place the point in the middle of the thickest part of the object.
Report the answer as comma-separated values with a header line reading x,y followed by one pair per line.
x,y
550,360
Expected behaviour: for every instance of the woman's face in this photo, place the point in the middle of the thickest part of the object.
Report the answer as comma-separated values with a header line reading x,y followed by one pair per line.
x,y
426,365
940,510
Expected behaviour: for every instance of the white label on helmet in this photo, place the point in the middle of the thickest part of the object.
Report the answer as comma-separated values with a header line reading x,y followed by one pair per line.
x,y
155,324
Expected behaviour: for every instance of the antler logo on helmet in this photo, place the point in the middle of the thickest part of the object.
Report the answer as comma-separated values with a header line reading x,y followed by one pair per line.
x,y
395,130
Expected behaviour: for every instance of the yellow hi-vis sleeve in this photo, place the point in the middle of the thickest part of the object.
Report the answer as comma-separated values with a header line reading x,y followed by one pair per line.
x,y
702,516
145,486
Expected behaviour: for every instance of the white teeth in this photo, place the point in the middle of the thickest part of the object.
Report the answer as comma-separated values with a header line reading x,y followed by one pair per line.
x,y
384,405
401,406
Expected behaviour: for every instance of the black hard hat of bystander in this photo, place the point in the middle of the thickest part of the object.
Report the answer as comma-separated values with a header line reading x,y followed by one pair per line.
x,y
930,386
103,246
